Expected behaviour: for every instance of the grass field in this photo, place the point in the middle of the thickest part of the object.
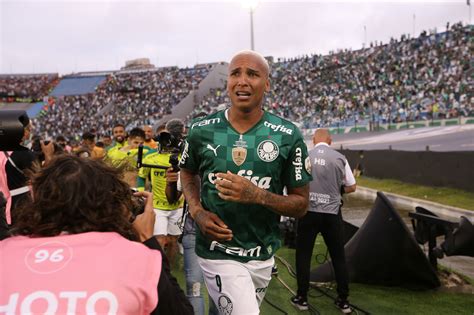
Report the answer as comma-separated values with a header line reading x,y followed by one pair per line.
x,y
447,196
372,299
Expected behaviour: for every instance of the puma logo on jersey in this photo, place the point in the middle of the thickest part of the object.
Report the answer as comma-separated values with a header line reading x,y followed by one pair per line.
x,y
213,149
263,182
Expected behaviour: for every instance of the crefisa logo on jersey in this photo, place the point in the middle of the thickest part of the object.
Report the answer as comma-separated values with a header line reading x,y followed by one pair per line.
x,y
268,151
280,128
185,154
260,182
298,163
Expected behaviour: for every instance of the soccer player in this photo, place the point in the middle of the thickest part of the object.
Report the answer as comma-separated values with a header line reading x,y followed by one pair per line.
x,y
244,157
126,157
119,135
149,142
107,141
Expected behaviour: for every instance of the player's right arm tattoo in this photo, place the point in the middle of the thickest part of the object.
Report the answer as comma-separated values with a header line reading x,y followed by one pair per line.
x,y
191,190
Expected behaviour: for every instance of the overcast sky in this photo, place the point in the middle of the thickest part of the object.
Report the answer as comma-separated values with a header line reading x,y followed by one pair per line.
x,y
71,36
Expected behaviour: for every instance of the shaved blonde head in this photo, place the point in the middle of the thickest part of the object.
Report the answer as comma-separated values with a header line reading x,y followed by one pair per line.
x,y
322,135
260,59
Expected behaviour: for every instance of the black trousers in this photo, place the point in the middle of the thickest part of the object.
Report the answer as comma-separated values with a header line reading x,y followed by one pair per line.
x,y
331,228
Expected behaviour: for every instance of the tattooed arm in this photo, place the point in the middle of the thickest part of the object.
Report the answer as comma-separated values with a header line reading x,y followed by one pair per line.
x,y
235,188
191,189
209,223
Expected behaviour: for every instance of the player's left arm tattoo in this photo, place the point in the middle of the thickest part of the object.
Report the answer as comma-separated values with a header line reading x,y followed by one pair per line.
x,y
249,193
235,188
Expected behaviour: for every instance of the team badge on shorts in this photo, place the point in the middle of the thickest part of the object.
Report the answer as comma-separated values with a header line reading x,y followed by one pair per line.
x,y
225,305
268,151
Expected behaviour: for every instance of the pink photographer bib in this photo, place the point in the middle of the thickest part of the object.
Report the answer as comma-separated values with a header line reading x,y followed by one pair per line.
x,y
88,273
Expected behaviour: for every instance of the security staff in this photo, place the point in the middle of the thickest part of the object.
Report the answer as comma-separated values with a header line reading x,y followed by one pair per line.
x,y
331,174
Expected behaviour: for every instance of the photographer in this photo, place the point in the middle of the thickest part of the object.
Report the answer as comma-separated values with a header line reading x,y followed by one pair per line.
x,y
14,164
77,241
168,213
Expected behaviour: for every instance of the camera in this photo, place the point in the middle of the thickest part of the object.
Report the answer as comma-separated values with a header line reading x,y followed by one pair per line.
x,y
138,204
12,129
36,147
171,143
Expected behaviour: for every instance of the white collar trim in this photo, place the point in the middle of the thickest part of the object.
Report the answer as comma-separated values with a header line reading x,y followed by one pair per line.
x,y
321,143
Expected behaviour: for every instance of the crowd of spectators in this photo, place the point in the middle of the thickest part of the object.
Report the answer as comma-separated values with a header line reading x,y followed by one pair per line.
x,y
28,87
147,96
215,100
407,79
427,77
130,98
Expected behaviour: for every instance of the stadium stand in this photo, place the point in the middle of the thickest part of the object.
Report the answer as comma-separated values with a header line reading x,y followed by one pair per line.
x,y
128,97
428,77
407,79
77,85
26,87
216,98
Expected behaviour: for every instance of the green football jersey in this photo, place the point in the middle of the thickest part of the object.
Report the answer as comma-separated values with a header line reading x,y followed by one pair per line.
x,y
272,155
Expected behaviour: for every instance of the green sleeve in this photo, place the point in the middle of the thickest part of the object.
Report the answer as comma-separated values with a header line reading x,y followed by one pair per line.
x,y
295,172
190,158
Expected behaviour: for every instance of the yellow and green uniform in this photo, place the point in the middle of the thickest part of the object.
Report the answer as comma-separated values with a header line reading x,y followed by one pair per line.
x,y
117,145
152,144
126,159
158,180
